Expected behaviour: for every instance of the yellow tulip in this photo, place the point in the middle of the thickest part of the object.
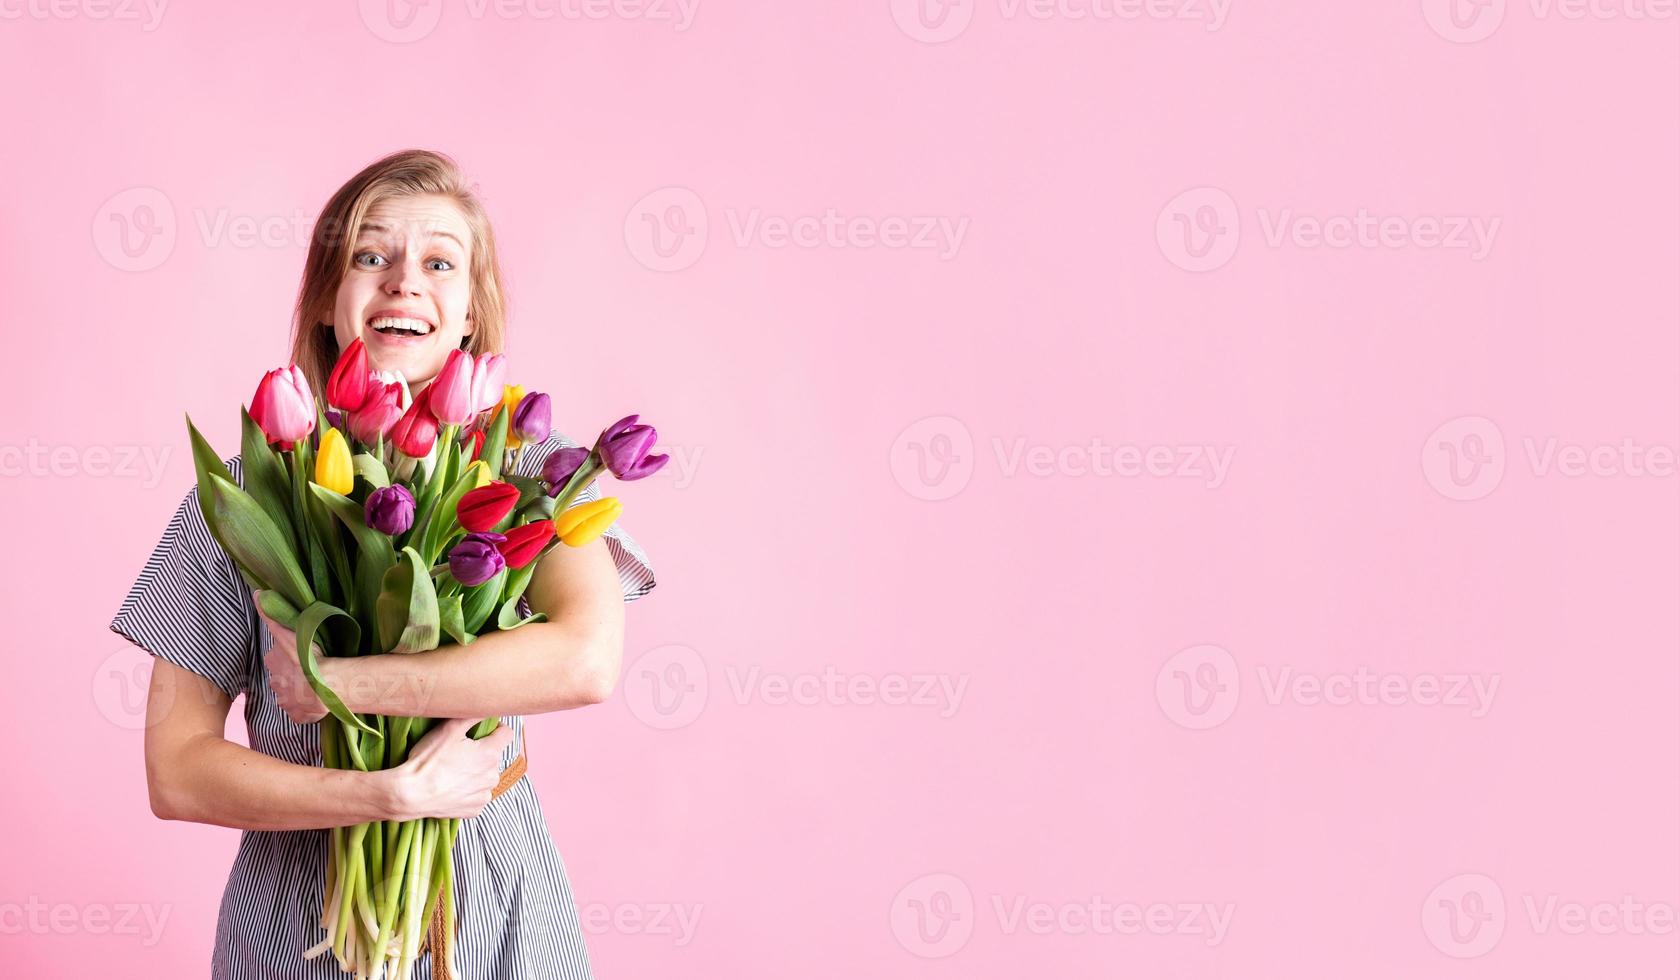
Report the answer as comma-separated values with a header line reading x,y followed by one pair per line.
x,y
585,522
333,467
511,396
481,468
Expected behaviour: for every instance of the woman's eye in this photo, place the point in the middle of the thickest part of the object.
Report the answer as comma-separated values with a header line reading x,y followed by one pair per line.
x,y
369,259
440,265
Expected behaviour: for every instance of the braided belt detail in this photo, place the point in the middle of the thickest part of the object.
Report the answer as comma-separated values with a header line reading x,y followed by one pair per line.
x,y
437,938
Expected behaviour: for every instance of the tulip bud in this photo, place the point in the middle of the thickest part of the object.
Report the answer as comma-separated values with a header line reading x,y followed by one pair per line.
x,y
482,508
283,406
559,467
533,420
624,448
525,542
351,382
377,414
451,391
586,522
334,469
475,560
416,432
390,509
487,375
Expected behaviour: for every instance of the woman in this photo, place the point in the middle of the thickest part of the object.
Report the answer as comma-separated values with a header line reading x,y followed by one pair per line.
x,y
402,257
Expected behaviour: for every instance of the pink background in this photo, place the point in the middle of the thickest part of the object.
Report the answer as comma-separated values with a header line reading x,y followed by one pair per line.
x,y
1137,268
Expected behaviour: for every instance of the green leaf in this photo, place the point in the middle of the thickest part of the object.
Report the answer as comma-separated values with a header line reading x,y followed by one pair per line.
x,y
374,554
265,476
514,622
508,615
452,619
482,600
370,469
407,610
244,529
495,442
275,607
313,553
442,523
308,623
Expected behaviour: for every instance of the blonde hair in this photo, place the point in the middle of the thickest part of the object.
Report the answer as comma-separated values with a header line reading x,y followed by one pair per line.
x,y
332,245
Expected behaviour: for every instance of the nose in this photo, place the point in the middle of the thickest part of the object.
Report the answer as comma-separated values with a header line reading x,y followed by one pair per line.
x,y
404,279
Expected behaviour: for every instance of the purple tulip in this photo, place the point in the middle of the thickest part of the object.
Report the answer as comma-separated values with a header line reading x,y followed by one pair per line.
x,y
533,420
390,509
476,559
560,466
624,447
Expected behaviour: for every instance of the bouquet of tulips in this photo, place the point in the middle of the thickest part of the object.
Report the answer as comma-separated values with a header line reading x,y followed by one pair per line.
x,y
382,522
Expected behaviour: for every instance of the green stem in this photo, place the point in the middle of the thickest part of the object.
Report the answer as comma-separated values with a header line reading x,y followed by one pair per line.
x,y
396,878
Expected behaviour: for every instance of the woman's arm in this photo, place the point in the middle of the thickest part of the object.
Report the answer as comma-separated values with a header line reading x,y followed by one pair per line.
x,y
194,773
569,661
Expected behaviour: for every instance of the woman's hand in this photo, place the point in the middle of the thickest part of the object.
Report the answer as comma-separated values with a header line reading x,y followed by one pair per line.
x,y
285,674
448,774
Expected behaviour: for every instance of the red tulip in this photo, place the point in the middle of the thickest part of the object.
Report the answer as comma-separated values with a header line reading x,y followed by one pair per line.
x,y
477,442
416,431
351,382
482,508
283,406
378,413
525,542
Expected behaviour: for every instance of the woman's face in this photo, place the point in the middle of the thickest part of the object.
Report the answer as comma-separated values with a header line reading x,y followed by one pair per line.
x,y
409,286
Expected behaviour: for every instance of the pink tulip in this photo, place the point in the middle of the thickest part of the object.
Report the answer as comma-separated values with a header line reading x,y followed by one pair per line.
x,y
488,374
377,414
451,393
284,407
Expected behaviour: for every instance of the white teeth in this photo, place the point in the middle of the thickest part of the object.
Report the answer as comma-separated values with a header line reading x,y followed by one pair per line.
x,y
399,324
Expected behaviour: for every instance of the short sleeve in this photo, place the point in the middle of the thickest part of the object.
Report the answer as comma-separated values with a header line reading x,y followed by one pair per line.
x,y
190,605
635,571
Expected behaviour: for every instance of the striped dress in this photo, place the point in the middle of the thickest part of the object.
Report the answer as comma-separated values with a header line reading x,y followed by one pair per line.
x,y
514,908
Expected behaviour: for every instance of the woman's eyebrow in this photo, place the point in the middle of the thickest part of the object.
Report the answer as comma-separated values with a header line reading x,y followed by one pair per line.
x,y
376,226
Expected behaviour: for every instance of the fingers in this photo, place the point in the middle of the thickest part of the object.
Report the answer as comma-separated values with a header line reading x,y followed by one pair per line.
x,y
501,738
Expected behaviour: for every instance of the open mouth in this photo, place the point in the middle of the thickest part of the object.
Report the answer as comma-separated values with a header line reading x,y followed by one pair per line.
x,y
399,326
